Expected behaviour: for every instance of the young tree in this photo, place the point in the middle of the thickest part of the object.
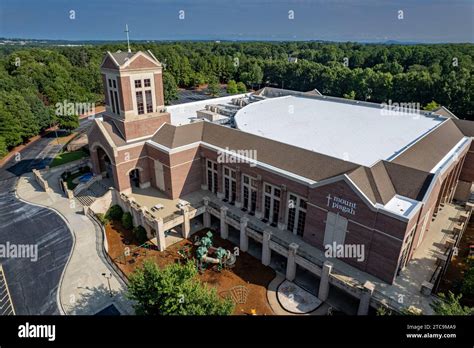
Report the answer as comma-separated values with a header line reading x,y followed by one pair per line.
x,y
241,88
350,95
170,88
449,305
174,290
213,87
232,87
431,106
252,74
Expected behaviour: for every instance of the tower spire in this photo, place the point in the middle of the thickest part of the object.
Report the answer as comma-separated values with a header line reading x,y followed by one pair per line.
x,y
128,39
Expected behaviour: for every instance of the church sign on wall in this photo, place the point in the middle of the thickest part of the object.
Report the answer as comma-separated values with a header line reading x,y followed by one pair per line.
x,y
341,204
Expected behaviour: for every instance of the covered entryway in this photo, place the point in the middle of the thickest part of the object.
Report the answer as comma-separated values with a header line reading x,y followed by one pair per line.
x,y
105,164
134,177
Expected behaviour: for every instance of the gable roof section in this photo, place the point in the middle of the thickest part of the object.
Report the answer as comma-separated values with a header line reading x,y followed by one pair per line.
x,y
121,60
374,182
443,111
172,137
408,182
114,132
465,126
431,149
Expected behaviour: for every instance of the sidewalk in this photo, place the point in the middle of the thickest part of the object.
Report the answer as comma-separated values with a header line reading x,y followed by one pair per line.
x,y
83,289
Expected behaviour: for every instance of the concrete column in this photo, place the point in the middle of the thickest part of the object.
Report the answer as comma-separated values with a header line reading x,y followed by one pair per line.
x,y
206,215
456,181
95,162
142,216
324,281
244,239
186,227
160,234
266,251
238,188
364,303
283,205
135,215
291,262
258,206
224,227
449,181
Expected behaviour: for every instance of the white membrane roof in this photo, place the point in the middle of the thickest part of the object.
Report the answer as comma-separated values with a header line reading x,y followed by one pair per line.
x,y
185,113
358,133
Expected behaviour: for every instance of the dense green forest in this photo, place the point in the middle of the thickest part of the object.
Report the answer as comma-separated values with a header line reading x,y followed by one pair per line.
x,y
34,79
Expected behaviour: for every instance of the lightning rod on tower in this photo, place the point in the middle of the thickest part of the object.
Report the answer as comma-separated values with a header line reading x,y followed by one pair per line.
x,y
128,39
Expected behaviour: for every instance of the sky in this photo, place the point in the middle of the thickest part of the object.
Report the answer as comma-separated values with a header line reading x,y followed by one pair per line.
x,y
429,21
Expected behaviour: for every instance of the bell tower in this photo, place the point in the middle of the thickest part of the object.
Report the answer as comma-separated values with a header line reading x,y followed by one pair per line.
x,y
133,88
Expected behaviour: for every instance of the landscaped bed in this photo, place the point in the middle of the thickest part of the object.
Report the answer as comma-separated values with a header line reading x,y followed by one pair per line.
x,y
247,280
66,157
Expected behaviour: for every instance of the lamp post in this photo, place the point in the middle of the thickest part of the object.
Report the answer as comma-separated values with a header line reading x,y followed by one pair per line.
x,y
108,277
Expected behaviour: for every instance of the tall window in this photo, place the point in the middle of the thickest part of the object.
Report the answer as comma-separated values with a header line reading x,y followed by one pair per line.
x,y
149,102
143,90
140,108
212,176
296,214
229,184
271,203
249,194
113,92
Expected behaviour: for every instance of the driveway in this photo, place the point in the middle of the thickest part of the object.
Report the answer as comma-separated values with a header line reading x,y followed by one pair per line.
x,y
33,284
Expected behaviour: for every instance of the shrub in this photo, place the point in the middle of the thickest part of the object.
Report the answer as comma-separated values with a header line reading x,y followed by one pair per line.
x,y
102,218
127,221
114,213
140,234
467,287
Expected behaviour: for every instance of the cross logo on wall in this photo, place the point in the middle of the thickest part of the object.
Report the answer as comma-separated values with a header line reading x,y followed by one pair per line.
x,y
329,197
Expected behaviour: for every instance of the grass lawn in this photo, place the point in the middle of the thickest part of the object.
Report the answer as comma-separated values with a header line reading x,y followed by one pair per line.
x,y
70,184
66,157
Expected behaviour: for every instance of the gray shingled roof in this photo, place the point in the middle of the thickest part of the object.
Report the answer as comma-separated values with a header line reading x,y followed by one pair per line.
x,y
431,149
123,57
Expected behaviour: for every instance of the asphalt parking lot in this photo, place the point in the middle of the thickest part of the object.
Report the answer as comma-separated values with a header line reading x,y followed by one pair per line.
x,y
33,284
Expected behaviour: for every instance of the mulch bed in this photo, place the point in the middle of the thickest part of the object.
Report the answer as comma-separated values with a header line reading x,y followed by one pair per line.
x,y
454,275
247,280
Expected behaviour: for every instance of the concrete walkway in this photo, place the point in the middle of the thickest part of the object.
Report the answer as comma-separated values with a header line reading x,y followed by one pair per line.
x,y
83,289
278,308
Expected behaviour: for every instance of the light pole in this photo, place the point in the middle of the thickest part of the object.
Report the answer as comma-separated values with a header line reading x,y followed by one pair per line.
x,y
108,277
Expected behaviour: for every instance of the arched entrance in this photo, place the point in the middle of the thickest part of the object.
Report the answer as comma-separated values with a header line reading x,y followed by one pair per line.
x,y
134,176
105,164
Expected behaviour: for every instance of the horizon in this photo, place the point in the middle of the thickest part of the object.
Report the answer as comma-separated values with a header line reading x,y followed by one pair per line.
x,y
363,21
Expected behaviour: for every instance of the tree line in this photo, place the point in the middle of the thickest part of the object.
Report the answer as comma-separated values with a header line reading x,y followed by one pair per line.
x,y
34,79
